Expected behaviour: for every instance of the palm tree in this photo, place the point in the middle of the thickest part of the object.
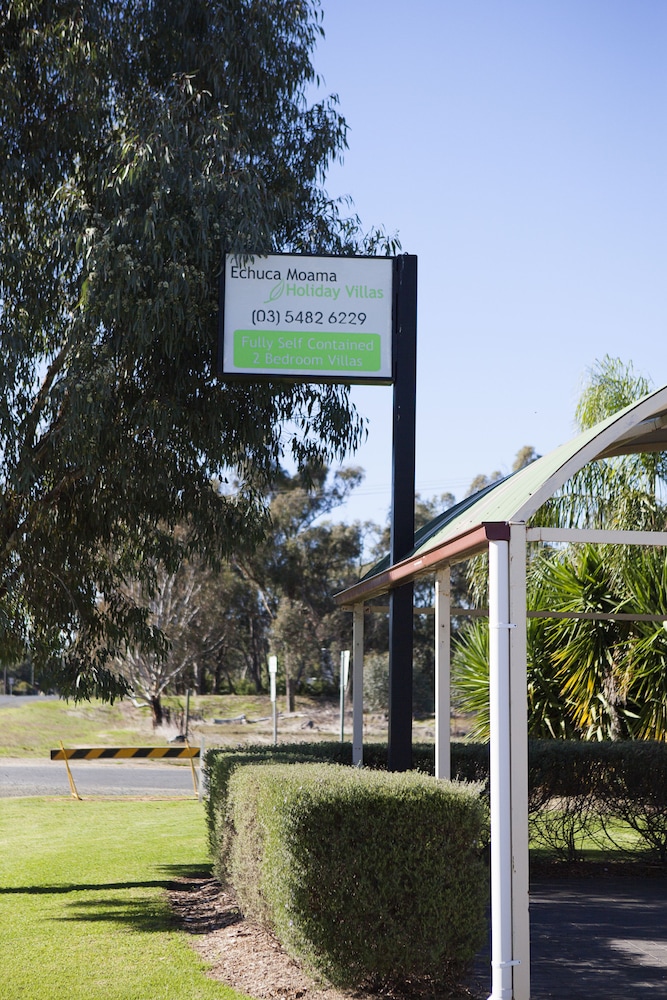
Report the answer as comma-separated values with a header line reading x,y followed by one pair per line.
x,y
602,678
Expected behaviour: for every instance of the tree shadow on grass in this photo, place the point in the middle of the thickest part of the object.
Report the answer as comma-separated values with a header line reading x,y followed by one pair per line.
x,y
148,914
173,873
138,914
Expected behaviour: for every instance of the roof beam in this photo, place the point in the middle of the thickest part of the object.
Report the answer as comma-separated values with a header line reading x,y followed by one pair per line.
x,y
598,536
453,550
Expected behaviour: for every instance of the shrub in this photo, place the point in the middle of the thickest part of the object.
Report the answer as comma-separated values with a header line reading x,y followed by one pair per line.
x,y
563,797
366,877
633,788
581,790
577,790
221,762
376,681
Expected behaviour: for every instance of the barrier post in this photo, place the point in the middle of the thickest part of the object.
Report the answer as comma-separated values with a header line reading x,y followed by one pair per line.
x,y
72,786
194,773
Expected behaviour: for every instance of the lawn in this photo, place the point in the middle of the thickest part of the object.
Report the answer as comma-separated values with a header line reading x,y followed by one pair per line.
x,y
36,726
83,904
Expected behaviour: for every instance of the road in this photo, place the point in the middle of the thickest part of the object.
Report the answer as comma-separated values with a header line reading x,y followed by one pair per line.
x,y
14,700
110,778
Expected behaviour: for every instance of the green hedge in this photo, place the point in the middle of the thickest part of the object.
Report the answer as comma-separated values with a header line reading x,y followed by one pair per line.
x,y
580,791
222,762
577,790
366,877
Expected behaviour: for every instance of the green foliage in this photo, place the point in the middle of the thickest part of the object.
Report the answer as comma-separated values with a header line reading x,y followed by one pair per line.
x,y
581,792
548,710
563,781
191,608
303,561
367,877
604,677
634,790
138,143
376,682
32,729
222,762
470,676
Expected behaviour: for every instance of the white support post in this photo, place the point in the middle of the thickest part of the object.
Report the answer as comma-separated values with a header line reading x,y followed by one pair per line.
x,y
519,764
443,767
358,685
502,959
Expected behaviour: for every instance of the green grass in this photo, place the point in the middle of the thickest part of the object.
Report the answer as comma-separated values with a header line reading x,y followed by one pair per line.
x,y
38,726
83,904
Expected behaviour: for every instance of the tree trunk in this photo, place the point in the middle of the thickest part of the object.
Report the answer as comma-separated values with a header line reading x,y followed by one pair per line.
x,y
156,709
258,655
289,686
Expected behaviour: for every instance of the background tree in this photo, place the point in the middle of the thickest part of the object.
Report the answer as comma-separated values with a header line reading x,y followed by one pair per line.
x,y
376,628
181,610
138,142
299,567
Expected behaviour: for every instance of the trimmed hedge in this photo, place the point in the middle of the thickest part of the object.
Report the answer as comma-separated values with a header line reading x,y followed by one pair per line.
x,y
222,762
366,877
577,789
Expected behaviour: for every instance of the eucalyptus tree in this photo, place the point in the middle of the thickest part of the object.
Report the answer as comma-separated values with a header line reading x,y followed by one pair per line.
x,y
304,560
138,142
195,631
376,628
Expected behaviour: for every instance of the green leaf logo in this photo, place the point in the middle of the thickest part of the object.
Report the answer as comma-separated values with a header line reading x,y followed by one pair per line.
x,y
276,291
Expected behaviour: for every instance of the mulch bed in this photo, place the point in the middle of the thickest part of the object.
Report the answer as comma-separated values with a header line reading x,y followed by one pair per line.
x,y
251,960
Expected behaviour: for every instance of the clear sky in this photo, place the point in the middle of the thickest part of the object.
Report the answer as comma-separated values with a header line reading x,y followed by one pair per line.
x,y
519,149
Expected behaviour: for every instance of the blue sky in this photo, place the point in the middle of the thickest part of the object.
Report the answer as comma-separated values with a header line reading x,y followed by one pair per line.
x,y
519,149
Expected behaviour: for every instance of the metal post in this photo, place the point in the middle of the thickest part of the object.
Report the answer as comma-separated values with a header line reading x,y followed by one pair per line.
x,y
187,714
519,757
443,768
202,775
344,669
402,511
358,685
273,670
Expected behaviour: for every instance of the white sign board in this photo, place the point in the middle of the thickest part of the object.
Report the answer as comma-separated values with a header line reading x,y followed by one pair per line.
x,y
309,318
344,666
273,669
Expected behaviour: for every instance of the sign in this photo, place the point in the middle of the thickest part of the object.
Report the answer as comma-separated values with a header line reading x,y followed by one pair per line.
x,y
273,670
314,319
344,666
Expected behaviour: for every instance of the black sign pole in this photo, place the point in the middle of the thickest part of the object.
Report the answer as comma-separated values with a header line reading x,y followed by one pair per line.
x,y
402,511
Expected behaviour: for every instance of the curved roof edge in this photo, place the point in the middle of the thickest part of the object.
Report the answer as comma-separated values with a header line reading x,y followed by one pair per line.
x,y
463,530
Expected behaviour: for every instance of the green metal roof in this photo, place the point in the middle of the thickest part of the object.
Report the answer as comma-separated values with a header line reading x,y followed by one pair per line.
x,y
642,426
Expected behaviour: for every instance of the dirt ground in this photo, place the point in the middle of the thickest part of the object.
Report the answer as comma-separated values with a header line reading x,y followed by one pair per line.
x,y
250,721
251,960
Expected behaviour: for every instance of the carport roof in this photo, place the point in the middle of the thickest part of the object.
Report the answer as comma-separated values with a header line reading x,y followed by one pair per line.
x,y
466,528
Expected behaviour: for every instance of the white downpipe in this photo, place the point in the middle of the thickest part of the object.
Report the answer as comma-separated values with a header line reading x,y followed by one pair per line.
x,y
500,778
519,752
358,685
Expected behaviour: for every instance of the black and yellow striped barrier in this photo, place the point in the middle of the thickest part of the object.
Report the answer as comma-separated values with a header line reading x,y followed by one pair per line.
x,y
126,753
